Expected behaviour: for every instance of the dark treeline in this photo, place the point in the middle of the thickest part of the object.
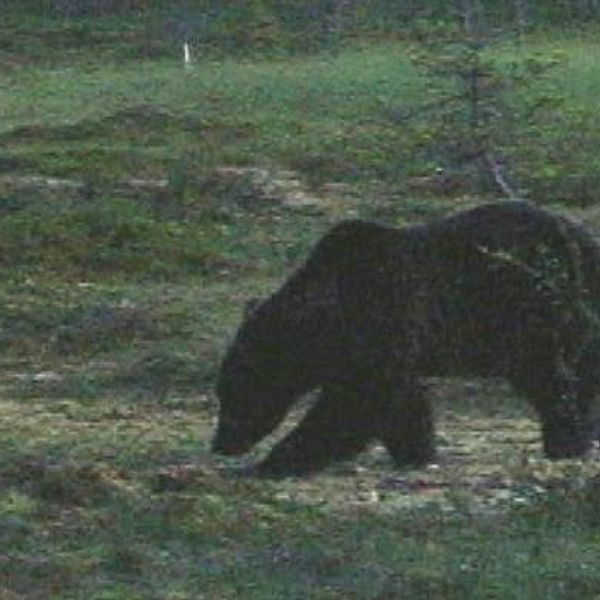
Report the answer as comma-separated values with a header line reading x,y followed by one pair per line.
x,y
291,14
232,25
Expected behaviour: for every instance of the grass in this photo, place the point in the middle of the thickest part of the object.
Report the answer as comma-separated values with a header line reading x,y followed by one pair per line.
x,y
218,113
119,499
118,300
332,117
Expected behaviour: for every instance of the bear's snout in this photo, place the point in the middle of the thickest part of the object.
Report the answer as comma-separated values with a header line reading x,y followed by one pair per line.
x,y
228,445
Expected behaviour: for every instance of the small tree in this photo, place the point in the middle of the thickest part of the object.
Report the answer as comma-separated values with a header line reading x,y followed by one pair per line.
x,y
473,124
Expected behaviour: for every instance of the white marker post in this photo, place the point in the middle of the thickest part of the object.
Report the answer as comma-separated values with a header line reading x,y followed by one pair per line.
x,y
187,55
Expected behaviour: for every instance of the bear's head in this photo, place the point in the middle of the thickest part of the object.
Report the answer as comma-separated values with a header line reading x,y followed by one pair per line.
x,y
258,383
251,404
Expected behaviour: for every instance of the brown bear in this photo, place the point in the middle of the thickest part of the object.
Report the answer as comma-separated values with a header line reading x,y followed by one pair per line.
x,y
501,290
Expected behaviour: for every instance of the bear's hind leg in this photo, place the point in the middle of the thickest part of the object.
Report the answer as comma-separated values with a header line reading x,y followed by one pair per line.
x,y
568,421
406,427
337,427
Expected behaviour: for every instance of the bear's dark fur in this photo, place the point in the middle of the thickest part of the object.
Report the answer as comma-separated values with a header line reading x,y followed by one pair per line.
x,y
504,290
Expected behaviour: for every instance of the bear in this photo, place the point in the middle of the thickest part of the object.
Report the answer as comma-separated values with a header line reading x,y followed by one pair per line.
x,y
505,290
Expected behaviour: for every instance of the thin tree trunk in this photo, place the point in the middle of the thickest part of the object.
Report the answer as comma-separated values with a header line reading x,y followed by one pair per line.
x,y
522,12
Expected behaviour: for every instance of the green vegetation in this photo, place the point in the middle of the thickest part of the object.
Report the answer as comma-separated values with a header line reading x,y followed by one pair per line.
x,y
128,246
354,115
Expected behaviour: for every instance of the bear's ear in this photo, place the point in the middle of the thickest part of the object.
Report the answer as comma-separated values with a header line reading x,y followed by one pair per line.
x,y
250,306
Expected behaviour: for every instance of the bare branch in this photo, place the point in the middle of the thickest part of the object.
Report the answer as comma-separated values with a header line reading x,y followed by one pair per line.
x,y
497,172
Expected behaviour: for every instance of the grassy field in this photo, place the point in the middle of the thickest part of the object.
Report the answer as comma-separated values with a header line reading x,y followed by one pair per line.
x,y
128,246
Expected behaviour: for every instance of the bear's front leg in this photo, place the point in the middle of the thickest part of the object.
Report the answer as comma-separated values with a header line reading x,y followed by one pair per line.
x,y
406,426
337,427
